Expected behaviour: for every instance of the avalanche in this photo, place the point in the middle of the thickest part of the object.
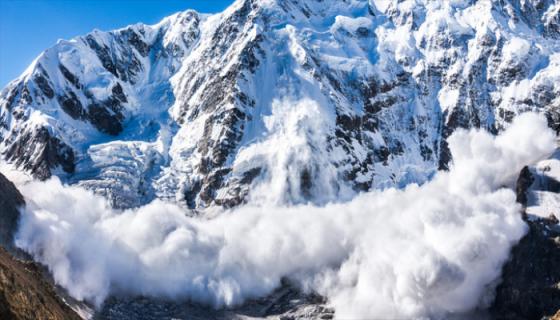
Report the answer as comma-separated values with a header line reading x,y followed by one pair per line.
x,y
210,156
424,251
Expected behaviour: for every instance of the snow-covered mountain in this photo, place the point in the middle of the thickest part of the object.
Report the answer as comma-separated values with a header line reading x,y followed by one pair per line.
x,y
320,99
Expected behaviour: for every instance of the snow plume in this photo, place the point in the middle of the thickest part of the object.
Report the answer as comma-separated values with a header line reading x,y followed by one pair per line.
x,y
427,250
294,149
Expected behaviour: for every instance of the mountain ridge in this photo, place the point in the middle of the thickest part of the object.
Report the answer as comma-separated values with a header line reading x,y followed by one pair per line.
x,y
191,104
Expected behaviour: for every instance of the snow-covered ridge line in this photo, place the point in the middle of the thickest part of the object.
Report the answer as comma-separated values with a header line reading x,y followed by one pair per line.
x,y
359,95
93,90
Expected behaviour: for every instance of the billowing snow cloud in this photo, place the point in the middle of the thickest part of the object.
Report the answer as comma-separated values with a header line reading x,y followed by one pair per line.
x,y
425,250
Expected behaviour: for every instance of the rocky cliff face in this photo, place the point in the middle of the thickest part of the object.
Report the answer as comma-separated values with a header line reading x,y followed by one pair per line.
x,y
286,302
337,96
10,202
24,293
530,287
531,282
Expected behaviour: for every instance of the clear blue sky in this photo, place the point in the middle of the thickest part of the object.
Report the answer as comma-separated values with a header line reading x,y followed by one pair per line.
x,y
27,27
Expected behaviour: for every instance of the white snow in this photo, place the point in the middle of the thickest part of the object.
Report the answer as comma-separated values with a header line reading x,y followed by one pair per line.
x,y
422,58
424,251
544,195
516,48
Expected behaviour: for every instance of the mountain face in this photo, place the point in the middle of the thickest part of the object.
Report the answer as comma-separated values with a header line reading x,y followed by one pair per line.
x,y
532,290
10,201
295,101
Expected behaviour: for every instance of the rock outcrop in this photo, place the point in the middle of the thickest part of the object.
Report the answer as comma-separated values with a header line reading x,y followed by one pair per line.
x,y
10,202
25,295
287,302
530,287
24,292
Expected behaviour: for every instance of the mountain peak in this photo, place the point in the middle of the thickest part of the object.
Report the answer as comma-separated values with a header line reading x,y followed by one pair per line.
x,y
369,91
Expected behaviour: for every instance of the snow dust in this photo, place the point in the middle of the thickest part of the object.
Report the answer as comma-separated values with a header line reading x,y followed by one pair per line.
x,y
429,250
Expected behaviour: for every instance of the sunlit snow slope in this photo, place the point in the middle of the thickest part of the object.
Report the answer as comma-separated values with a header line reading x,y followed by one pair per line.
x,y
341,95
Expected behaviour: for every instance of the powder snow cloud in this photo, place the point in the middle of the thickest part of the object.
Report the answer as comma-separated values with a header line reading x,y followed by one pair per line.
x,y
425,250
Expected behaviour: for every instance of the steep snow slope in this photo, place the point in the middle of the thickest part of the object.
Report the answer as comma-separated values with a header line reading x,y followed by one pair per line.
x,y
319,98
95,109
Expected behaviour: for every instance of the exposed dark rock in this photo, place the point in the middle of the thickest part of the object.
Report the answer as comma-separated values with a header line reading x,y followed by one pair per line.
x,y
553,117
118,93
106,121
249,54
136,42
191,194
457,118
524,182
426,152
211,183
39,152
12,95
363,32
510,74
25,295
43,83
72,105
552,220
103,54
348,123
70,76
25,97
530,287
382,154
238,189
216,152
287,303
306,182
10,202
125,69
250,175
506,115
106,116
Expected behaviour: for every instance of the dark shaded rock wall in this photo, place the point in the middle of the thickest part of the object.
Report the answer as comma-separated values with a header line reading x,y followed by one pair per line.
x,y
10,201
24,292
530,287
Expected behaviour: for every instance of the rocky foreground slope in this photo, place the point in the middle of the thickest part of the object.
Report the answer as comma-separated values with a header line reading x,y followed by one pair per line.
x,y
324,98
531,279
10,201
24,292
